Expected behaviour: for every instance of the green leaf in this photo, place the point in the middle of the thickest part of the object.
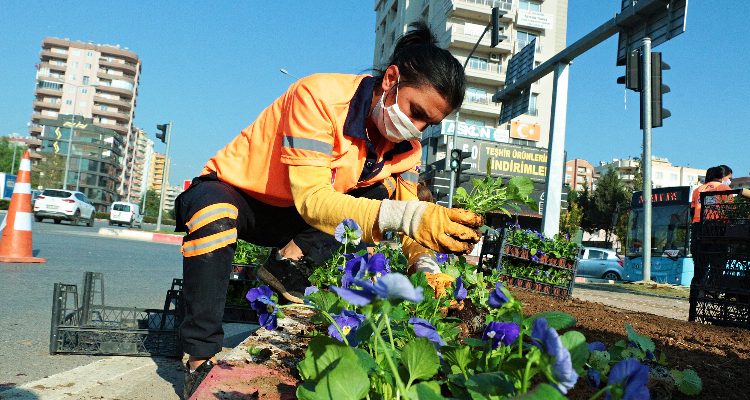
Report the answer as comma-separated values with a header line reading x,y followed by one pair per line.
x,y
425,391
688,382
322,352
452,271
575,342
324,300
489,385
542,392
521,185
345,379
472,342
420,359
644,342
555,319
459,356
599,360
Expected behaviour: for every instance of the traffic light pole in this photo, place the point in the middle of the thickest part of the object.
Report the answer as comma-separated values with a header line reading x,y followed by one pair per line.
x,y
164,177
646,159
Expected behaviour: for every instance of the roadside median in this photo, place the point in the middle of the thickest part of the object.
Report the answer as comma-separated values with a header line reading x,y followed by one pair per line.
x,y
144,236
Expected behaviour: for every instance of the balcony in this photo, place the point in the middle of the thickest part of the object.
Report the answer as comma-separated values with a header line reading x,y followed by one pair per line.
x,y
125,66
480,105
521,44
48,54
119,103
52,66
111,89
45,104
103,75
48,91
481,9
121,116
466,39
485,73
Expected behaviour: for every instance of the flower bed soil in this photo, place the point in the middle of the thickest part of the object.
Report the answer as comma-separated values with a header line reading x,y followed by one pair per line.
x,y
720,356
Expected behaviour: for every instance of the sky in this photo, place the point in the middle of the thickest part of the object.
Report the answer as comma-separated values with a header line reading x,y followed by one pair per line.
x,y
212,67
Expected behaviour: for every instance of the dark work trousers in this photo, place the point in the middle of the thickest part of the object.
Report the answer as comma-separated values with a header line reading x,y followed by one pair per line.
x,y
206,211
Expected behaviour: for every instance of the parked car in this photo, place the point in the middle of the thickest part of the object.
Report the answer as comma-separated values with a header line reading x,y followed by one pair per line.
x,y
122,213
600,263
60,204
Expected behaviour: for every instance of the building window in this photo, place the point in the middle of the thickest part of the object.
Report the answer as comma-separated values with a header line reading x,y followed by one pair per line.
x,y
533,110
475,122
69,102
524,38
89,53
75,64
86,80
660,175
50,85
87,66
476,95
84,90
478,63
529,5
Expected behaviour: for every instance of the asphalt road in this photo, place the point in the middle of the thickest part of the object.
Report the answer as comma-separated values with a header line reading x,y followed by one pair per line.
x,y
136,274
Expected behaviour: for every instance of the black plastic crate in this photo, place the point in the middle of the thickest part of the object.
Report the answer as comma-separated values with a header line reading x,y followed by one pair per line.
x,y
724,216
716,307
93,328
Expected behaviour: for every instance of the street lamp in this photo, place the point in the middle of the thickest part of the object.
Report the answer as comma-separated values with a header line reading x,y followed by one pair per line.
x,y
72,132
285,72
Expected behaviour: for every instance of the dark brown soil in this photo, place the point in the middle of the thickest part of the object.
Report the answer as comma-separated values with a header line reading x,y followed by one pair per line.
x,y
720,356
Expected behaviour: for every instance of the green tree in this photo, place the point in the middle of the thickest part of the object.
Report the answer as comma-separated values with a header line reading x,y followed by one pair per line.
x,y
48,172
570,220
610,201
151,209
6,156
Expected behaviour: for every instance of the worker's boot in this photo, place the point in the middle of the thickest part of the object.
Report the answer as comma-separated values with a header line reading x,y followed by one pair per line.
x,y
288,277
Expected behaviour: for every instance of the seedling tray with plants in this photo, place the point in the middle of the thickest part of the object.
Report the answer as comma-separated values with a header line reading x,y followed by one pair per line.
x,y
531,261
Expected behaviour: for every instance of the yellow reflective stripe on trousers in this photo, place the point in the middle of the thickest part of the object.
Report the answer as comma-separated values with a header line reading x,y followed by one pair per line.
x,y
209,243
209,214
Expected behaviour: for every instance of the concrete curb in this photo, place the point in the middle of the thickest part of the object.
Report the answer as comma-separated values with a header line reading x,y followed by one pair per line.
x,y
582,279
266,377
141,235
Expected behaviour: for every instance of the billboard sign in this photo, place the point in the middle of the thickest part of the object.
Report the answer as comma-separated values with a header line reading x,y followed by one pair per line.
x,y
525,131
504,159
9,182
475,132
534,19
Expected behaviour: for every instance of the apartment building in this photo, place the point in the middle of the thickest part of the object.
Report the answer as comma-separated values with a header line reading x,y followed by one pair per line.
x,y
663,173
156,171
516,148
139,164
580,175
79,81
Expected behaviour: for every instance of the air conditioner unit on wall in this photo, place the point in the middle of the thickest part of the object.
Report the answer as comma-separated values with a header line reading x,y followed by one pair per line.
x,y
494,57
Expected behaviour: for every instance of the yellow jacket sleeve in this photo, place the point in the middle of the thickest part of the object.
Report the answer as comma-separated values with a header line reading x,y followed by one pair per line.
x,y
324,208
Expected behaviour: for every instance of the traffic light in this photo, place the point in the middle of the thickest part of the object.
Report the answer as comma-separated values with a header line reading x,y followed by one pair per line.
x,y
162,134
658,113
458,165
632,78
497,29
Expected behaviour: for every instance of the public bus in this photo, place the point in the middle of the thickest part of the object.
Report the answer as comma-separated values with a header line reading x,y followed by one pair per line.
x,y
671,261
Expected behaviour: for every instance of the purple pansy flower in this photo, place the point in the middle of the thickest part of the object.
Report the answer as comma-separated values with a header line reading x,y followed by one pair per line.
x,y
633,376
593,378
535,259
378,265
389,287
357,267
547,339
348,231
260,301
423,328
597,346
310,290
501,332
497,297
441,257
460,293
348,322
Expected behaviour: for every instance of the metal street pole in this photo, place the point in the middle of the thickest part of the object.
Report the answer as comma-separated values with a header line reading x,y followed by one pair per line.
x,y
646,159
13,164
556,157
452,186
70,145
165,176
78,177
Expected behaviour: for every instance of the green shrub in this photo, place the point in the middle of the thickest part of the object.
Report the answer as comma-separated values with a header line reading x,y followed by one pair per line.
x,y
4,204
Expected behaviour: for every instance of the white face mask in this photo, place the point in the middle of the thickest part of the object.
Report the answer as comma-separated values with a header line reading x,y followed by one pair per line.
x,y
393,123
727,182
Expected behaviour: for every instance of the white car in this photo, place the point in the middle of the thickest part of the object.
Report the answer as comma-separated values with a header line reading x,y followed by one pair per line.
x,y
122,213
60,204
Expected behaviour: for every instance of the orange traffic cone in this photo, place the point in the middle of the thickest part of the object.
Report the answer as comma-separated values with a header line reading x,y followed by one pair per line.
x,y
15,245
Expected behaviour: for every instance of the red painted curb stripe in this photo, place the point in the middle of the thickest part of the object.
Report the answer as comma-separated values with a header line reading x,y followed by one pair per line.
x,y
166,238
